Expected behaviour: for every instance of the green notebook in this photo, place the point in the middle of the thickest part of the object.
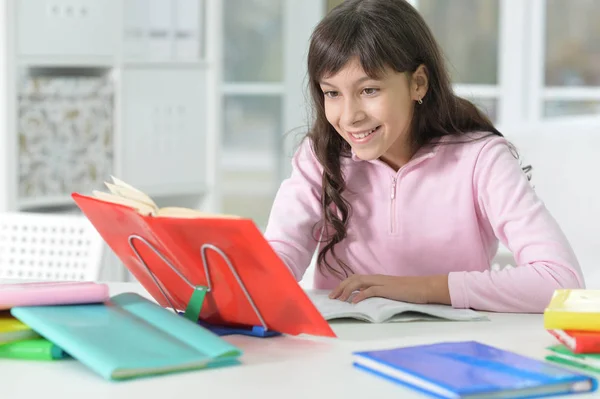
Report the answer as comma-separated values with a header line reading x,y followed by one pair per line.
x,y
32,349
563,355
129,337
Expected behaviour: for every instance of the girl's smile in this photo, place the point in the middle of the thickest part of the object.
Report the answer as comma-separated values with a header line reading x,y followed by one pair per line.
x,y
363,137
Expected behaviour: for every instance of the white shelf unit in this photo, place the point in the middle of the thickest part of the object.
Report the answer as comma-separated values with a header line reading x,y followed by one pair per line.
x,y
161,61
157,117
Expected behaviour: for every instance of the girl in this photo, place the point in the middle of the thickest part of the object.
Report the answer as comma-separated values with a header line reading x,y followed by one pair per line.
x,y
404,187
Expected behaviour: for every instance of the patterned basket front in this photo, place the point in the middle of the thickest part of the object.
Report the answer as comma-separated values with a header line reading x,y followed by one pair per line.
x,y
66,127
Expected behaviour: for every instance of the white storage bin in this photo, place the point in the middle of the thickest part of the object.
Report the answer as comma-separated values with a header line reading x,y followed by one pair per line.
x,y
67,27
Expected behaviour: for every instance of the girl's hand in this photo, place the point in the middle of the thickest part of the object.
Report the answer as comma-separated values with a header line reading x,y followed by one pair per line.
x,y
415,289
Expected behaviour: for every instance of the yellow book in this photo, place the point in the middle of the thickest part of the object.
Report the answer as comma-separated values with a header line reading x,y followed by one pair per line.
x,y
573,309
12,329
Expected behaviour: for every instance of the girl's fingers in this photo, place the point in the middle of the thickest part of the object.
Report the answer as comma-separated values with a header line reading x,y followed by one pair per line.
x,y
372,291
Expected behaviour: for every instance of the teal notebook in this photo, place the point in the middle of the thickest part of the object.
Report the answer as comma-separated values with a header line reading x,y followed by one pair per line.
x,y
129,337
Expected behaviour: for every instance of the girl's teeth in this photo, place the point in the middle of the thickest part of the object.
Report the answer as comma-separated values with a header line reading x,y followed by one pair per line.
x,y
363,135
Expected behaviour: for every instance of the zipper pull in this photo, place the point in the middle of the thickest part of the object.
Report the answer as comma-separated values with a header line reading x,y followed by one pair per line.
x,y
393,188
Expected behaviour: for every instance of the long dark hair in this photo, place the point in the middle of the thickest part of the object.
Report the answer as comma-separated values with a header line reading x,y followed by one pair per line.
x,y
380,33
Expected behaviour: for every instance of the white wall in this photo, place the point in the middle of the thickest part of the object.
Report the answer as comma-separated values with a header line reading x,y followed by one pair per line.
x,y
566,164
3,105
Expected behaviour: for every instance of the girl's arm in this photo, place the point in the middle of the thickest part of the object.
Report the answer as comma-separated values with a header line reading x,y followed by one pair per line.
x,y
544,258
296,210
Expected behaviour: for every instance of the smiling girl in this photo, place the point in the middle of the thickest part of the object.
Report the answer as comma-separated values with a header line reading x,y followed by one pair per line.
x,y
404,188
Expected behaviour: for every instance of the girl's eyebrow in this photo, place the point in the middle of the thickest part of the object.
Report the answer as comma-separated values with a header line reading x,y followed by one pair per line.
x,y
357,82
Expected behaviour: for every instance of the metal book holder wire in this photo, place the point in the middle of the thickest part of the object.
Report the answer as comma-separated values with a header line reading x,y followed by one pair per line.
x,y
208,289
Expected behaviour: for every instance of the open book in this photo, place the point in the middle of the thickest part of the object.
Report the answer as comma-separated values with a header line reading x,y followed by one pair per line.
x,y
174,251
382,310
125,194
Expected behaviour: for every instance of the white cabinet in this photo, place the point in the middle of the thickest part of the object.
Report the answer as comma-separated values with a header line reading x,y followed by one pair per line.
x,y
164,138
93,88
67,27
107,87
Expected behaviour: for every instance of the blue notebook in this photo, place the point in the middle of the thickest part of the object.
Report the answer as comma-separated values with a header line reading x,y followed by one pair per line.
x,y
129,337
472,370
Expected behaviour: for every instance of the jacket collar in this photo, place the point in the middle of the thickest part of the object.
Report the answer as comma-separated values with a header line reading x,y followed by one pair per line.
x,y
427,151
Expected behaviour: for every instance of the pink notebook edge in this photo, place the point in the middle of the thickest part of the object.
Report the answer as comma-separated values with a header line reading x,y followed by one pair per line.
x,y
80,293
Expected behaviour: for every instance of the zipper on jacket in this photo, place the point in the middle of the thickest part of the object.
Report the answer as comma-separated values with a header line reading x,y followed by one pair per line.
x,y
393,206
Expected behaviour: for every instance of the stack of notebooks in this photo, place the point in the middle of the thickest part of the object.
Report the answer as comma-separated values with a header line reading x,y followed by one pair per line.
x,y
110,335
573,318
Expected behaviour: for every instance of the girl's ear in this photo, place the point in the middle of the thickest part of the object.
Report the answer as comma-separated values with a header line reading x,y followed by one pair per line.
x,y
419,83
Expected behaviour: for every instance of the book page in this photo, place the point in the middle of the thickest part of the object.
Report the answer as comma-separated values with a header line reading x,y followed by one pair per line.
x,y
389,310
132,194
125,194
141,207
380,310
336,309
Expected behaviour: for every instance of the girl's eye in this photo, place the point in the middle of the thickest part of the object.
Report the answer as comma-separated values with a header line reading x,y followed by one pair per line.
x,y
331,94
369,91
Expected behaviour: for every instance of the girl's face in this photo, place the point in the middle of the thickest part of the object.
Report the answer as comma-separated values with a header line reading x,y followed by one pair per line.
x,y
373,115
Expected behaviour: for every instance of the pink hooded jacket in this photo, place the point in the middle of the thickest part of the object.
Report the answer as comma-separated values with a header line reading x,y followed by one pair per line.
x,y
441,213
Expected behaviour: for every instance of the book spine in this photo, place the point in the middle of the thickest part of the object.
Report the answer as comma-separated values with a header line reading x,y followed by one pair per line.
x,y
587,345
572,321
577,344
564,339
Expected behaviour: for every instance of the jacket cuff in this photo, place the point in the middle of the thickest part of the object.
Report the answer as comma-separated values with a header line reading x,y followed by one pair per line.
x,y
458,290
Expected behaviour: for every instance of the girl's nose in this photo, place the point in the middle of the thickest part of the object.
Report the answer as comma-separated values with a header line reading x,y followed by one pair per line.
x,y
353,112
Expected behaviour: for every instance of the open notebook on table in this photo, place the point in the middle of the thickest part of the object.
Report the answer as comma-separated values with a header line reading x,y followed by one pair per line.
x,y
381,310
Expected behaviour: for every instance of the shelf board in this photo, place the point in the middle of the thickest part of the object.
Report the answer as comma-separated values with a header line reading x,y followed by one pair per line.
x,y
253,89
107,62
200,64
45,202
66,61
66,200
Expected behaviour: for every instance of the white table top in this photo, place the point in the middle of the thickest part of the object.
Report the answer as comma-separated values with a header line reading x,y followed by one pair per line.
x,y
280,367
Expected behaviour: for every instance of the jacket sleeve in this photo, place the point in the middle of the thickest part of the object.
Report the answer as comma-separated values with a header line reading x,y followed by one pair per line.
x,y
292,229
544,258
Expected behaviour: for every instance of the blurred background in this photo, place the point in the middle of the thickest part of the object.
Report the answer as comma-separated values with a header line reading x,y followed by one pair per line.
x,y
200,103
